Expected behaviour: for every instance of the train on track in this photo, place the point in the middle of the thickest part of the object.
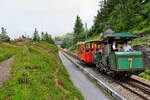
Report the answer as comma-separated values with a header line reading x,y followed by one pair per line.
x,y
122,63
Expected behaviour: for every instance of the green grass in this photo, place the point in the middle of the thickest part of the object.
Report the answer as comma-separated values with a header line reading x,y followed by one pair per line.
x,y
95,37
72,49
34,79
145,74
140,41
7,51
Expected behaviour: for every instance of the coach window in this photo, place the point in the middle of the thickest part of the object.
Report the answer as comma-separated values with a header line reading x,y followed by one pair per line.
x,y
88,47
97,47
83,49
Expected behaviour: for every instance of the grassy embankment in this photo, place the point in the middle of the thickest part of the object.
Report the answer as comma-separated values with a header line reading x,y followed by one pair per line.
x,y
37,74
7,51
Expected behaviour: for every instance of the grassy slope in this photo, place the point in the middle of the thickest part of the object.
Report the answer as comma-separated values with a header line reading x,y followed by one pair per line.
x,y
95,37
38,74
140,41
7,52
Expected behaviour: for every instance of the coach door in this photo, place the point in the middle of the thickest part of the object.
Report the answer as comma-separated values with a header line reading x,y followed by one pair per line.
x,y
92,46
88,52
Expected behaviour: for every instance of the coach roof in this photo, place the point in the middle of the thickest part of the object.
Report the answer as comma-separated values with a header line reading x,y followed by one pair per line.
x,y
81,43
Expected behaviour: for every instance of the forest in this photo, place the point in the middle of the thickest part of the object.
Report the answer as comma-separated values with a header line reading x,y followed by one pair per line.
x,y
123,15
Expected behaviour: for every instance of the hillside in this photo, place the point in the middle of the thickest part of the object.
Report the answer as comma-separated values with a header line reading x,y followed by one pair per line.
x,y
36,73
123,15
65,36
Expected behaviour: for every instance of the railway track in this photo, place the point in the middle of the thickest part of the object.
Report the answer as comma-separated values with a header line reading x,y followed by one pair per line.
x,y
142,86
137,87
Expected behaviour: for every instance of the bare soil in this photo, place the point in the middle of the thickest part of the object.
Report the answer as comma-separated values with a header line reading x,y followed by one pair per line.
x,y
5,68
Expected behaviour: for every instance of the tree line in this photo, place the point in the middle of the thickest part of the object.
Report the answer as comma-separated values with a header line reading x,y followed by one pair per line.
x,y
3,35
36,37
44,37
123,16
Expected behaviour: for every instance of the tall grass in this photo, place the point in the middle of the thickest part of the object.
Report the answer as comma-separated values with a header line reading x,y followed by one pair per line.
x,y
145,74
7,51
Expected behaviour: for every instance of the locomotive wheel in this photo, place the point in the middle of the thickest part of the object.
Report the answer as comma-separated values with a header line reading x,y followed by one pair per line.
x,y
99,66
128,75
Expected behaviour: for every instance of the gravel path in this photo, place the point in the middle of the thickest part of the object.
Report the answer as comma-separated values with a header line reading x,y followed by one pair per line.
x,y
4,69
87,88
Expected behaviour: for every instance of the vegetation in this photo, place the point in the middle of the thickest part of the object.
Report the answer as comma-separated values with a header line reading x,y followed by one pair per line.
x,y
67,40
78,30
73,49
95,37
7,51
142,40
65,44
123,15
145,74
36,36
3,35
47,37
37,74
44,37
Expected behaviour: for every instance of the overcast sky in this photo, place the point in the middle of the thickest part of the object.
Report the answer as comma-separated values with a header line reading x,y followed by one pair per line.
x,y
57,17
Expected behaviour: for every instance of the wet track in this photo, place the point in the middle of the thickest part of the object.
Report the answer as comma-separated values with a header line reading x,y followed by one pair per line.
x,y
88,89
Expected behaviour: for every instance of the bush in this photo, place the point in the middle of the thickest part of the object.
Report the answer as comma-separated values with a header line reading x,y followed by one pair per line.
x,y
145,74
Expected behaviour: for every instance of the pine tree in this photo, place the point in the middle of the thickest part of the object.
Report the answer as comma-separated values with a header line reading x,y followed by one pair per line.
x,y
3,35
3,31
36,36
78,29
42,36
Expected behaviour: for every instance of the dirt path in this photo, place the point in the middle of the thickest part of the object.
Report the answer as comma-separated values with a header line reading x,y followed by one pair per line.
x,y
4,69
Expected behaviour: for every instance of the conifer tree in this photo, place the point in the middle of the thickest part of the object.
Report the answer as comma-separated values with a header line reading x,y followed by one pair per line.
x,y
42,36
3,31
36,36
3,35
78,29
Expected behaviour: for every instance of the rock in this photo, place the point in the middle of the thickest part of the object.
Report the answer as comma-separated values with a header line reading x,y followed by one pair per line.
x,y
146,52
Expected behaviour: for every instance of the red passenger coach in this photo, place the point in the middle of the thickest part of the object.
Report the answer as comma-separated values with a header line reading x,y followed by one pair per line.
x,y
87,50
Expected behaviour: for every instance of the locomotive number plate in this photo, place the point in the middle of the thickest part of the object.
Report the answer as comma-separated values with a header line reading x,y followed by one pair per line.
x,y
130,59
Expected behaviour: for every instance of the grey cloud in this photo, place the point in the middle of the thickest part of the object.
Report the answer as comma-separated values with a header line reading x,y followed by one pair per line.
x,y
54,16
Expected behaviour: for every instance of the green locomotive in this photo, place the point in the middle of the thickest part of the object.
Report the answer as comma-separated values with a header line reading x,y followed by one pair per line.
x,y
119,62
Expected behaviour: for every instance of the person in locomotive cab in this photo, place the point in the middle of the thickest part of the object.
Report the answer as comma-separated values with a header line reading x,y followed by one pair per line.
x,y
114,46
127,47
